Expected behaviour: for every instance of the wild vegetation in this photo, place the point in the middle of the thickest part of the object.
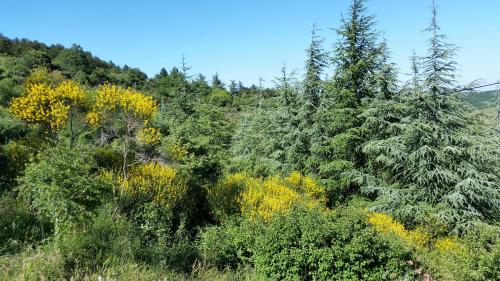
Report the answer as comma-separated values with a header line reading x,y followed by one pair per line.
x,y
359,176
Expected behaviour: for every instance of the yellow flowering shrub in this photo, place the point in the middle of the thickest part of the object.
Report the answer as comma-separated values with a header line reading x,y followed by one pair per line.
x,y
418,237
446,245
43,76
386,224
307,186
48,105
159,182
257,198
225,195
269,197
112,99
149,136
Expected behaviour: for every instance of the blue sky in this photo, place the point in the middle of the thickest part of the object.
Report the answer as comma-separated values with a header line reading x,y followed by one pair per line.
x,y
245,40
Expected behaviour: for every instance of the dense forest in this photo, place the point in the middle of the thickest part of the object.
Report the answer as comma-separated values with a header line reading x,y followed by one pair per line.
x,y
363,175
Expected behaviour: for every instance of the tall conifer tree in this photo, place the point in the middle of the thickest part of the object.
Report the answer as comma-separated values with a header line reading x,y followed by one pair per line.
x,y
336,154
312,90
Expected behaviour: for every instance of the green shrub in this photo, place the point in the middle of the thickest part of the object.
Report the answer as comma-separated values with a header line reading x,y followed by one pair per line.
x,y
163,237
64,185
339,245
18,226
479,259
229,245
43,263
108,239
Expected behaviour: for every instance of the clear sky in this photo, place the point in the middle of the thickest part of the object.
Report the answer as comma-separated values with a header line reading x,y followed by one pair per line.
x,y
247,39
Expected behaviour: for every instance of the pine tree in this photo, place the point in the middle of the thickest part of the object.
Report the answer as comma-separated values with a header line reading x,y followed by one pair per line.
x,y
336,151
356,55
439,66
286,119
428,161
216,82
386,75
313,85
312,90
233,88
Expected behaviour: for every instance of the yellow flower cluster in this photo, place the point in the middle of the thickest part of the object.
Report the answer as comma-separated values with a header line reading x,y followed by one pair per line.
x,y
48,105
418,237
386,224
159,182
43,76
446,245
267,198
149,136
306,185
112,98
257,198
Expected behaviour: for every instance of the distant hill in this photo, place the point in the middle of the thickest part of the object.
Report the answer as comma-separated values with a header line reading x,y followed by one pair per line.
x,y
482,100
19,57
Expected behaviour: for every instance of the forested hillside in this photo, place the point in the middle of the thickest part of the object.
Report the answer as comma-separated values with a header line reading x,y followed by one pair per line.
x,y
362,175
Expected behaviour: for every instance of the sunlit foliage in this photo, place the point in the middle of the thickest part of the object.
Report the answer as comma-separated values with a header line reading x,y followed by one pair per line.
x,y
261,198
160,183
48,105
115,99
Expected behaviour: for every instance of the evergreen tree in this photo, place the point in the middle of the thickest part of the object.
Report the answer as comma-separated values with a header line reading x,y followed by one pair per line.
x,y
337,139
233,88
439,66
386,75
216,82
428,160
313,86
286,118
356,55
416,79
312,89
163,73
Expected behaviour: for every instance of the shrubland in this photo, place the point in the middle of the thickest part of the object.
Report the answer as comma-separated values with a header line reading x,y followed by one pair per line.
x,y
108,173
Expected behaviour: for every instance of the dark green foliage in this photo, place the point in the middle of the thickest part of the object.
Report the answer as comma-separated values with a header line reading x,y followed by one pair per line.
x,y
19,57
19,226
301,130
8,89
255,145
356,54
336,158
107,239
318,245
228,246
63,184
431,160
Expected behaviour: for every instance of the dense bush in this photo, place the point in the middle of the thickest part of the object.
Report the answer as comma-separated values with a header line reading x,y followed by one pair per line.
x,y
163,235
230,245
308,244
261,198
107,239
474,257
64,185
338,245
19,226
